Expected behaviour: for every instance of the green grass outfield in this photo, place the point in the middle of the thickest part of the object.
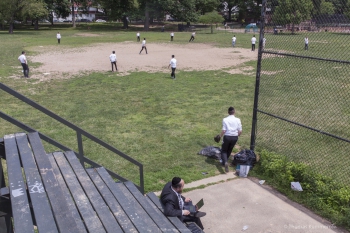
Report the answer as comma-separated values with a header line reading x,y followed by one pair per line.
x,y
162,123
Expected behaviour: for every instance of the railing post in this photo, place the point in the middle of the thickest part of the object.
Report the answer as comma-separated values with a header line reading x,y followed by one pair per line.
x,y
81,150
142,185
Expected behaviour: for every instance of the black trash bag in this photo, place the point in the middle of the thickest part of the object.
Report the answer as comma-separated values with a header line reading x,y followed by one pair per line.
x,y
211,151
245,157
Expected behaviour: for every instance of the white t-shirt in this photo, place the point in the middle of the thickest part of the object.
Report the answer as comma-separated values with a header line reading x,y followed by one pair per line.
x,y
306,41
143,43
58,36
173,63
137,34
113,57
22,59
234,39
232,125
172,34
193,34
253,40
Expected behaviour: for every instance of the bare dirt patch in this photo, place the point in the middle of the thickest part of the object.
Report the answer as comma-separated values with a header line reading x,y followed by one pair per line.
x,y
64,62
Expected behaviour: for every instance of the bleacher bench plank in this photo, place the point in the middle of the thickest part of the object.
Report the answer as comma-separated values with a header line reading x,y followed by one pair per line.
x,y
158,217
102,210
64,220
132,208
174,220
117,210
44,219
22,217
88,214
72,208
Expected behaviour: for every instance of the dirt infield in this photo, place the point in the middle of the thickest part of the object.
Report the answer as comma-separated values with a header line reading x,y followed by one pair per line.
x,y
63,62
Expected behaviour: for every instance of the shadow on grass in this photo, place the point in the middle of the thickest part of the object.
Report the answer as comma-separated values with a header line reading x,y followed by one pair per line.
x,y
216,163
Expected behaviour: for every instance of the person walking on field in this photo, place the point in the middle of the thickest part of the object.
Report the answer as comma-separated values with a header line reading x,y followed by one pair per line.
x,y
22,58
58,36
253,40
233,40
171,36
192,36
231,129
113,59
144,45
173,66
306,43
138,36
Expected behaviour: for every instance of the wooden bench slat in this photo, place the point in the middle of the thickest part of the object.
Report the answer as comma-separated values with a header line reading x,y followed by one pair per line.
x,y
44,219
64,219
113,204
132,208
88,214
152,210
174,220
70,203
22,218
102,210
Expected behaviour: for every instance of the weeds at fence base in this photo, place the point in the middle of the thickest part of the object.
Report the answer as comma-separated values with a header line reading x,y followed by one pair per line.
x,y
321,194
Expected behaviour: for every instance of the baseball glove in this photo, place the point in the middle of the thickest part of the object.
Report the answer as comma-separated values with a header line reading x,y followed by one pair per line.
x,y
217,138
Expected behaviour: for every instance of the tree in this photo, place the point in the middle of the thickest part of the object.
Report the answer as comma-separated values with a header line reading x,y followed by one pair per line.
x,y
211,18
60,7
292,12
34,9
117,9
11,10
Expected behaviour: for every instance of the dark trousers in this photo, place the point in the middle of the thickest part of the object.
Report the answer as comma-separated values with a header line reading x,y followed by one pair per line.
x,y
173,72
143,47
253,47
191,39
115,64
188,218
25,70
138,39
171,38
59,41
306,46
227,147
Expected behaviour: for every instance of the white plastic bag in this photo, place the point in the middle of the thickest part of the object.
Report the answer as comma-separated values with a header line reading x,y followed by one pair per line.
x,y
296,186
244,170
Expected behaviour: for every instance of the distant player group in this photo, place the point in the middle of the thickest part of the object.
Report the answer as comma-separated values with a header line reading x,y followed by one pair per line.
x,y
113,58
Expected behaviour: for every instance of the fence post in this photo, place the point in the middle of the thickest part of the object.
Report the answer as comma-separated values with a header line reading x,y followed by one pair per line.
x,y
257,79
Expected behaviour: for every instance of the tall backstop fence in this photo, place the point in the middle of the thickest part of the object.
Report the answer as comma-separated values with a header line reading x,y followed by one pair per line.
x,y
302,93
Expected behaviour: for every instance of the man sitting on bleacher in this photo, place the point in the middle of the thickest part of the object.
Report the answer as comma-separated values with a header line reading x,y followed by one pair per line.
x,y
174,202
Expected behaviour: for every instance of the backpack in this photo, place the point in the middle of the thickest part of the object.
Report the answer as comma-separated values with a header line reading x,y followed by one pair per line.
x,y
245,157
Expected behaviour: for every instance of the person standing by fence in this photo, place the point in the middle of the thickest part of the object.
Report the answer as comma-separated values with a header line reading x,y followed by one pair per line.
x,y
231,129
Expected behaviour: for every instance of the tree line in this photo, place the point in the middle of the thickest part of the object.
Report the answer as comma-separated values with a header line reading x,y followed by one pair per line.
x,y
283,11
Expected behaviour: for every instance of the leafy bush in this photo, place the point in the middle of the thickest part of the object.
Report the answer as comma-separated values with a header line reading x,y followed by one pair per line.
x,y
322,194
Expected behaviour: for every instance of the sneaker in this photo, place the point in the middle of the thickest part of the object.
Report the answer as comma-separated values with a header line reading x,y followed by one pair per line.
x,y
199,214
226,167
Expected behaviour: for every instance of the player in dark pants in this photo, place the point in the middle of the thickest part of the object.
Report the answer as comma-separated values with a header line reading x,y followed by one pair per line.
x,y
143,45
231,129
173,66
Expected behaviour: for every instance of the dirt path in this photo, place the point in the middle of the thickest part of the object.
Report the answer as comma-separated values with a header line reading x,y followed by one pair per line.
x,y
61,62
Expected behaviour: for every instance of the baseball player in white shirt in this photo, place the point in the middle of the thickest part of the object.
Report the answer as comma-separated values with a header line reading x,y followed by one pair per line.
x,y
253,40
233,41
173,66
58,36
22,58
144,45
113,59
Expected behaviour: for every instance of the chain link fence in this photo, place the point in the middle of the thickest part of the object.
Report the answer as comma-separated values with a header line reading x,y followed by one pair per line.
x,y
302,99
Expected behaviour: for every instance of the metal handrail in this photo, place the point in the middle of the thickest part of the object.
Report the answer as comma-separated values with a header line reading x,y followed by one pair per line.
x,y
78,131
